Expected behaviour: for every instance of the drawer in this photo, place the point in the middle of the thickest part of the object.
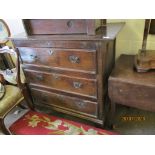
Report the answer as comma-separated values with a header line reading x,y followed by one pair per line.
x,y
59,26
61,101
81,86
75,59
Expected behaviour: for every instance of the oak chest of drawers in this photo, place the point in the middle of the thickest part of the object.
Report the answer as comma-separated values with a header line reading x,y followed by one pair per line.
x,y
68,72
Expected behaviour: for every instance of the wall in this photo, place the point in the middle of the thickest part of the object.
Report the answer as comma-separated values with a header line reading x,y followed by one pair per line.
x,y
15,25
129,40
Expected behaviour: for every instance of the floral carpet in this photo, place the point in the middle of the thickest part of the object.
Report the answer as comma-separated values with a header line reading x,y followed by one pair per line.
x,y
35,123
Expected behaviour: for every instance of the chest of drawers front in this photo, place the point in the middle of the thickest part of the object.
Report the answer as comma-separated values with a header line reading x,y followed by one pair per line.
x,y
68,76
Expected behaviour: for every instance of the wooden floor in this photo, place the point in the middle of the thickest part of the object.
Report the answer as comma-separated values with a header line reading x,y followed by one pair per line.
x,y
129,121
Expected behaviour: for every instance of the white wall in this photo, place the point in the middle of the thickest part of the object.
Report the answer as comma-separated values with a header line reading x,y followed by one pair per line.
x,y
15,26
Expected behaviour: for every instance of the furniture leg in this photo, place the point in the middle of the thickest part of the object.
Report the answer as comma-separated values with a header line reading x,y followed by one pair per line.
x,y
22,107
3,127
28,98
112,114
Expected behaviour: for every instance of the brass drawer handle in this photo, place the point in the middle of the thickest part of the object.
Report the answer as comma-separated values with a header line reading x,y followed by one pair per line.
x,y
80,104
74,59
77,85
55,76
39,77
34,57
60,97
70,23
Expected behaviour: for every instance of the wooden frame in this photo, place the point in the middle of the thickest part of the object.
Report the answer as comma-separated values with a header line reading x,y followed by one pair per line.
x,y
7,29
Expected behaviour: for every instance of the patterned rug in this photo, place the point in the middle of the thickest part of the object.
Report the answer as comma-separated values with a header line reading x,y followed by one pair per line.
x,y
35,123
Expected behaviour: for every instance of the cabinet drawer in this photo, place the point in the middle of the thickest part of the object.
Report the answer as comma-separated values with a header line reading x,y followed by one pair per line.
x,y
79,59
66,102
59,26
86,87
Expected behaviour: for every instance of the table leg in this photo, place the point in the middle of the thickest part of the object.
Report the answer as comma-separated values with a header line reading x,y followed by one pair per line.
x,y
112,112
3,127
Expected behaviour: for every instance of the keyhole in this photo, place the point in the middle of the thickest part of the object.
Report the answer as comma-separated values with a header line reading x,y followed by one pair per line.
x,y
70,23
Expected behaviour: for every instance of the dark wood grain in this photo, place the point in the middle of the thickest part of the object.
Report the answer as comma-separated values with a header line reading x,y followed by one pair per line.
x,y
124,71
72,115
59,26
62,82
128,87
76,59
112,29
63,92
106,53
66,102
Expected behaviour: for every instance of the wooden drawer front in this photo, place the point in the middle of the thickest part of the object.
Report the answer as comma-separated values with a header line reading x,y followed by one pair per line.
x,y
64,58
56,26
63,101
62,82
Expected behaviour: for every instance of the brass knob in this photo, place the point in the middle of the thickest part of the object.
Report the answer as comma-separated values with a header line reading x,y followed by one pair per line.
x,y
39,77
77,84
34,57
70,23
80,104
60,97
74,59
56,76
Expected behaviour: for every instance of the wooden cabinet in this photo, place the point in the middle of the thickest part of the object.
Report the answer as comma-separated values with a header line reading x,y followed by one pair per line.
x,y
69,72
